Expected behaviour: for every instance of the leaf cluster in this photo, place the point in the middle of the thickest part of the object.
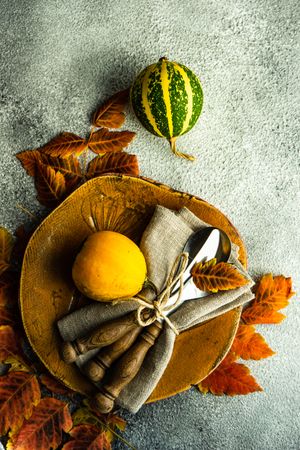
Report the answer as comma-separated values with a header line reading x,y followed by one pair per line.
x,y
230,377
57,167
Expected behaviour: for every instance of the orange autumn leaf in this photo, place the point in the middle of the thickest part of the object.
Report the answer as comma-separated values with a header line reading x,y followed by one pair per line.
x,y
110,114
274,291
6,246
64,145
261,315
113,162
87,437
43,429
211,276
19,392
248,344
29,160
68,167
271,294
8,342
55,386
104,141
50,186
229,378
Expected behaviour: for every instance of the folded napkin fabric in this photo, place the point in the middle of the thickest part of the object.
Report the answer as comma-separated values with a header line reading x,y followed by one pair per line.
x,y
162,241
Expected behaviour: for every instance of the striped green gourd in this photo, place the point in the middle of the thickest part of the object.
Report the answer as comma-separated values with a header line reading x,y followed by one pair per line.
x,y
167,99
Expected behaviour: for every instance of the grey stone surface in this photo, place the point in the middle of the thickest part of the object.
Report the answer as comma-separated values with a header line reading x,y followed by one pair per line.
x,y
60,59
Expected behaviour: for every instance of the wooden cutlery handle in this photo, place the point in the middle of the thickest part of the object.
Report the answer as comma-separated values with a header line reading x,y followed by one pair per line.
x,y
126,368
106,334
95,368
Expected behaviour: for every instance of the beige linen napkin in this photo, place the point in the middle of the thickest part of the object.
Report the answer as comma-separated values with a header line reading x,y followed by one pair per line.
x,y
163,239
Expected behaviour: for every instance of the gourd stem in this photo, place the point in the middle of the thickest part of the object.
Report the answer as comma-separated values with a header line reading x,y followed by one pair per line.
x,y
172,141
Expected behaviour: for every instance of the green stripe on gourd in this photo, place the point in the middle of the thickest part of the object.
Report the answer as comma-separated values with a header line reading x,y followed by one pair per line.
x,y
167,99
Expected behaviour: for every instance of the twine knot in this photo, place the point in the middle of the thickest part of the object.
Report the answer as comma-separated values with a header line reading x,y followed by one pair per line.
x,y
158,309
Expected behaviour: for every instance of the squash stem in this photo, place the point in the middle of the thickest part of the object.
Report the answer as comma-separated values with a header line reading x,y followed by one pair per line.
x,y
172,142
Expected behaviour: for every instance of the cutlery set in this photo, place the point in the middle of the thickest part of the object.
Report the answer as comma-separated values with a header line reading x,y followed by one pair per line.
x,y
123,343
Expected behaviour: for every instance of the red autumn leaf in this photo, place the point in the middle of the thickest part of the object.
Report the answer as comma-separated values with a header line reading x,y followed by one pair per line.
x,y
6,246
113,162
43,429
110,114
50,186
229,378
211,276
29,160
55,386
87,437
19,392
64,145
104,141
271,294
8,342
248,344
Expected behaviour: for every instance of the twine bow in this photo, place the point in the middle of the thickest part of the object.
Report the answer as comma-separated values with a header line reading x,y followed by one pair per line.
x,y
158,307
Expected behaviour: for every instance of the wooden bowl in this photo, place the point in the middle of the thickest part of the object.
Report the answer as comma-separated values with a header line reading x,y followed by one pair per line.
x,y
47,292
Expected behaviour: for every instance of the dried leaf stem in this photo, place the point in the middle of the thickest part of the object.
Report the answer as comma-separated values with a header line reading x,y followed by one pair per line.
x,y
27,211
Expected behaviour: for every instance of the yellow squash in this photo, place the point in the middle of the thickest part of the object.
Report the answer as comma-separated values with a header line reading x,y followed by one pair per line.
x,y
109,266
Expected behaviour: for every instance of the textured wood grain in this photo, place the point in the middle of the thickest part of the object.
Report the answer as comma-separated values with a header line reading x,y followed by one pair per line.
x,y
47,293
96,367
126,368
103,336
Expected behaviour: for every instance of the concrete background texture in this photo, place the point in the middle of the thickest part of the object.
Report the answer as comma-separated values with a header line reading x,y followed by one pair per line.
x,y
59,60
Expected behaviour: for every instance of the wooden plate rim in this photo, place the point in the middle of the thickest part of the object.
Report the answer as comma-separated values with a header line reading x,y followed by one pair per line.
x,y
160,185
